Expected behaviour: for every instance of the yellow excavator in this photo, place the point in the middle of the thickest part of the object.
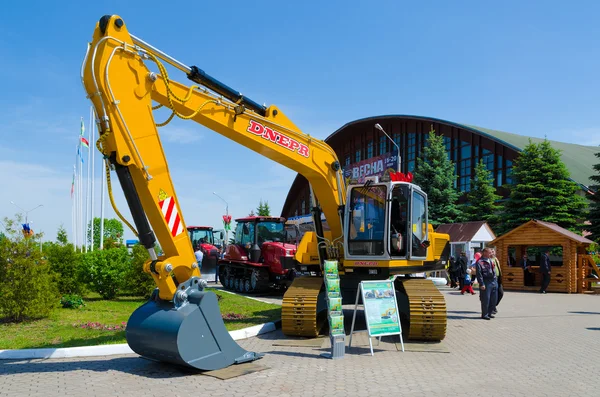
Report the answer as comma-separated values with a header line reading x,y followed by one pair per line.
x,y
377,230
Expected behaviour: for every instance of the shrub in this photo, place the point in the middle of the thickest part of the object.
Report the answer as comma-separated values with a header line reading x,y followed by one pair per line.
x,y
72,301
66,263
105,270
138,282
27,289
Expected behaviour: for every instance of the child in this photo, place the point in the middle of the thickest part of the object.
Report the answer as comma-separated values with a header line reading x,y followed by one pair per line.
x,y
467,285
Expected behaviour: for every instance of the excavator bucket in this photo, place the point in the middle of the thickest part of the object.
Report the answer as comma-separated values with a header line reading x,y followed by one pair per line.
x,y
192,335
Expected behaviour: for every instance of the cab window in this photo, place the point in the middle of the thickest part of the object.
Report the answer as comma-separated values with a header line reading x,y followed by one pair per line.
x,y
418,225
244,233
367,221
399,208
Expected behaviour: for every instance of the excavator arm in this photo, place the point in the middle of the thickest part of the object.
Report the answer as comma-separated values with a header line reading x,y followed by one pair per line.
x,y
181,323
123,90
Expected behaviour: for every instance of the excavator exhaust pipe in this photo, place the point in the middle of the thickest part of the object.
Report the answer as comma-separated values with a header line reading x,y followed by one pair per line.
x,y
188,331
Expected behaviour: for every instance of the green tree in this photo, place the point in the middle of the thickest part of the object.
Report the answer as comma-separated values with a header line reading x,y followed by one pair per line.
x,y
65,261
263,209
138,282
105,271
61,236
435,174
483,200
113,232
27,288
594,212
542,190
251,213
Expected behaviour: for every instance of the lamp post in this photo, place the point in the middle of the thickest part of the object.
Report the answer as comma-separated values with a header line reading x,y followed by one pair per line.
x,y
27,212
380,128
27,216
227,214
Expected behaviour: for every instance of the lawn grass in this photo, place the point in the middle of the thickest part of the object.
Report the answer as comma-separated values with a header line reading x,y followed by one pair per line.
x,y
60,330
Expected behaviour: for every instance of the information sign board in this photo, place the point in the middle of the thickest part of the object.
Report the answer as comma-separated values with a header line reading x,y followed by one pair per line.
x,y
381,308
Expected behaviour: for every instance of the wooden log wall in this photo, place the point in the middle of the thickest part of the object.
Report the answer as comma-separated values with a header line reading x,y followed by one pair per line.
x,y
565,278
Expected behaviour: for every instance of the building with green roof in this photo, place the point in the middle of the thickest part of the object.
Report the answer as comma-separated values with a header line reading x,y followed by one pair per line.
x,y
362,149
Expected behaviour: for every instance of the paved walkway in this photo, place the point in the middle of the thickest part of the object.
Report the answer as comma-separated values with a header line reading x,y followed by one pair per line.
x,y
538,345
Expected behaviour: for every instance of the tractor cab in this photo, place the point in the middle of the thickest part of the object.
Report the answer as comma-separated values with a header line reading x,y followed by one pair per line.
x,y
386,220
254,235
203,238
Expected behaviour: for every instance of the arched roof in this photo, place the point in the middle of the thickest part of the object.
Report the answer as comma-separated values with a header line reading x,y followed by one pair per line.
x,y
579,159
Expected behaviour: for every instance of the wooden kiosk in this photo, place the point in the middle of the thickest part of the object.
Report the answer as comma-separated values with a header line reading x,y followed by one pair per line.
x,y
572,267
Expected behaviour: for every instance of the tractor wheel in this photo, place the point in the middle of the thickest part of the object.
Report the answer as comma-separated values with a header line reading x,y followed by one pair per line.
x,y
254,280
247,286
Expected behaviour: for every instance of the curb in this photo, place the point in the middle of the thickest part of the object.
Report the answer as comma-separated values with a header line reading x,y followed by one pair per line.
x,y
106,350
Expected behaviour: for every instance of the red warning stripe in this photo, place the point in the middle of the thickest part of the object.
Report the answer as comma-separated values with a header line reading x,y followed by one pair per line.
x,y
171,215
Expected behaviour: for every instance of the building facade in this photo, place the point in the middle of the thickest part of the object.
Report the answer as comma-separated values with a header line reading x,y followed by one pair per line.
x,y
364,150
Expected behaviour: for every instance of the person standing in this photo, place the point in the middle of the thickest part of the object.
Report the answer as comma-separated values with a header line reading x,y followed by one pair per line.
x,y
528,276
199,256
498,277
453,270
462,269
488,286
545,270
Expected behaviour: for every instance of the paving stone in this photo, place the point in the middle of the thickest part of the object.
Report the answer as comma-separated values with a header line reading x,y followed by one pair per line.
x,y
537,345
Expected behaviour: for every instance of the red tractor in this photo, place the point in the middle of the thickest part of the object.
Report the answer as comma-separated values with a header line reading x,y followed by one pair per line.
x,y
203,237
260,258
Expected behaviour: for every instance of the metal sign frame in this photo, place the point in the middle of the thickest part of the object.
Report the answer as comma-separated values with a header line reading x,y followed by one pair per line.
x,y
361,293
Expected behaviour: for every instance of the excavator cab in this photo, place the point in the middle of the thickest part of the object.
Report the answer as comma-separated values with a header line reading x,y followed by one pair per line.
x,y
386,221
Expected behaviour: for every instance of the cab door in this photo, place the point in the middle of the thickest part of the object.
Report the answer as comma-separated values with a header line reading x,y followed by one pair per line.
x,y
418,233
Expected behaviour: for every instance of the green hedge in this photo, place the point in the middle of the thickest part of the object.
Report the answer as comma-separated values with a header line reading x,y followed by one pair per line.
x,y
28,289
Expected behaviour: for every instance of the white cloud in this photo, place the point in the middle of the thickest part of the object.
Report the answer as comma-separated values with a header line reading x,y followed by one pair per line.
x,y
31,184
179,134
585,136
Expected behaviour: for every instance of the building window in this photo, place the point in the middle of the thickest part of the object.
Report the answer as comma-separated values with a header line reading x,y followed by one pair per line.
x,y
448,145
465,168
412,147
499,167
455,180
397,139
369,149
382,145
347,161
488,160
357,156
509,172
303,207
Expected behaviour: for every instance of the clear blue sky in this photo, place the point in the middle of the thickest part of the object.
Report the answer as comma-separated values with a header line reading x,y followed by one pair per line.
x,y
524,67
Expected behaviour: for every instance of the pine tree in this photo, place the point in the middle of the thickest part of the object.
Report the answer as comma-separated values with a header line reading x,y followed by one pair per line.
x,y
594,215
482,198
542,190
435,175
263,209
61,236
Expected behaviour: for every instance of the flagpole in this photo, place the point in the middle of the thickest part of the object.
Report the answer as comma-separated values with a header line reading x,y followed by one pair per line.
x,y
102,203
76,190
73,236
87,192
92,139
80,200
81,218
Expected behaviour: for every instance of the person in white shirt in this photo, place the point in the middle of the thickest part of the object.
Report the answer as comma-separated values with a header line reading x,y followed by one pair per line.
x,y
199,256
